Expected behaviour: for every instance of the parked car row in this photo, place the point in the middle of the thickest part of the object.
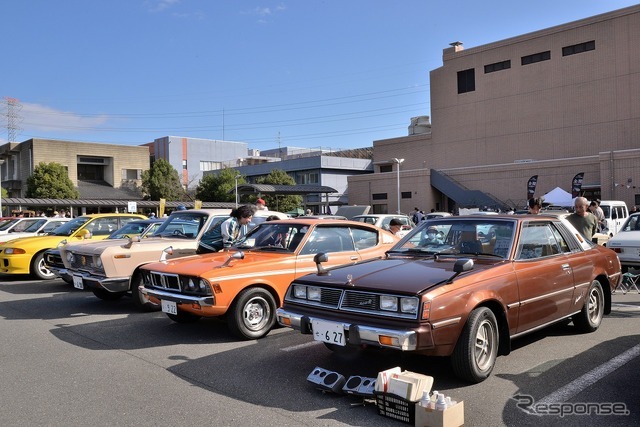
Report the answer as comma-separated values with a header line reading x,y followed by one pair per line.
x,y
462,287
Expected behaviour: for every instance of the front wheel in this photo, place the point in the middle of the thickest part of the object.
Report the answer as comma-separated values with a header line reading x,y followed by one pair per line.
x,y
139,300
39,269
252,314
475,354
590,317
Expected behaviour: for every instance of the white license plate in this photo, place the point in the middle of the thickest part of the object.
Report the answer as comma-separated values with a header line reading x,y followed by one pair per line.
x,y
77,282
169,307
329,332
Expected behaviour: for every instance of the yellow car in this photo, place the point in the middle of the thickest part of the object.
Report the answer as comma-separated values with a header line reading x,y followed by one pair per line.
x,y
25,256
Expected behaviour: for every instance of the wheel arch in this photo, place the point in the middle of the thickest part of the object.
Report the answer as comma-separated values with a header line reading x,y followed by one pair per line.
x,y
260,285
606,290
504,345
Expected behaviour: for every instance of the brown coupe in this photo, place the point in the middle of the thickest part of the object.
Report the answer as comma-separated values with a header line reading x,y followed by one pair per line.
x,y
462,287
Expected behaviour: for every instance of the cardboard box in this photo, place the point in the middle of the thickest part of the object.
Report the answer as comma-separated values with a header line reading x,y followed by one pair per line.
x,y
450,417
382,381
410,385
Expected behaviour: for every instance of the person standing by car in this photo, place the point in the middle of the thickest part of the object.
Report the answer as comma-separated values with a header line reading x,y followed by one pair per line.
x,y
583,220
225,233
595,209
261,205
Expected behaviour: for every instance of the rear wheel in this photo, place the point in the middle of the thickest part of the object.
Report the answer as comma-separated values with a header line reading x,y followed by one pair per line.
x,y
475,354
139,300
106,295
590,317
39,269
252,315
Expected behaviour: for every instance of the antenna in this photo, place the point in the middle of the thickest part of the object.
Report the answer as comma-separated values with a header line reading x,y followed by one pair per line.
x,y
13,118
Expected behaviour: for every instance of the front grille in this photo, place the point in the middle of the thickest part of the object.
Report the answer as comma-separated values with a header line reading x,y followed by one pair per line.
x,y
82,262
360,301
164,281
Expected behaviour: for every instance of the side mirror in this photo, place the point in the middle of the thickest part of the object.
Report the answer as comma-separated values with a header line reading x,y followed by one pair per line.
x,y
319,259
84,234
166,252
461,266
235,255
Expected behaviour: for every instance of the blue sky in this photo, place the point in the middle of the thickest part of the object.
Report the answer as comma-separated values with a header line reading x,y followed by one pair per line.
x,y
333,74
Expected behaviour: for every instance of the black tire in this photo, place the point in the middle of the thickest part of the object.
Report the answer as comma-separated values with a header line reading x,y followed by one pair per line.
x,y
475,354
183,317
140,301
39,269
252,314
590,317
106,295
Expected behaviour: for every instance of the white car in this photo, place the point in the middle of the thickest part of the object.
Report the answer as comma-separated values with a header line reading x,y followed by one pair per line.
x,y
626,243
383,220
26,227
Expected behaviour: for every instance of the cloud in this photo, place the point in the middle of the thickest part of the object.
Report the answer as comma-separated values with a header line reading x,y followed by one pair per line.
x,y
264,12
157,6
36,117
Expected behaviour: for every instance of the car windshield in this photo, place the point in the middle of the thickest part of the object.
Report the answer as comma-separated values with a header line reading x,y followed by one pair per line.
x,y
130,229
271,236
70,227
182,224
9,224
35,226
632,224
454,235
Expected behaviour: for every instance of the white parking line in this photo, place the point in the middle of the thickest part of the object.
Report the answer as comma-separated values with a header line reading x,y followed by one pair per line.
x,y
299,346
576,386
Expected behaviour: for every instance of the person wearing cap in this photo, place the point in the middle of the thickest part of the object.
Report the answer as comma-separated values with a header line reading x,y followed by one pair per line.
x,y
431,237
181,208
261,205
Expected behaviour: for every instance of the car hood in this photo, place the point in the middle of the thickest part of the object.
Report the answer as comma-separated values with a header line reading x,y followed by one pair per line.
x,y
400,275
625,238
96,247
205,265
35,242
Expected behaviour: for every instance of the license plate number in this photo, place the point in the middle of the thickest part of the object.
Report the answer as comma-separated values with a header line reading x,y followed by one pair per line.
x,y
77,282
169,307
329,332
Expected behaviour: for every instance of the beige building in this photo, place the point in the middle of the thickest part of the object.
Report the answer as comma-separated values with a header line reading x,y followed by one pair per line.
x,y
552,103
98,170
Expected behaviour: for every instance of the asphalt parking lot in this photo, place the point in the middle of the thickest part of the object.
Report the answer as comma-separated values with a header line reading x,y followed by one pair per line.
x,y
69,358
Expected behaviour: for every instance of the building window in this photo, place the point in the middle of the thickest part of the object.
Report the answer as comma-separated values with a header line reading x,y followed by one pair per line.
x,y
379,196
497,66
536,57
579,48
467,80
380,209
210,166
128,174
406,194
308,178
386,168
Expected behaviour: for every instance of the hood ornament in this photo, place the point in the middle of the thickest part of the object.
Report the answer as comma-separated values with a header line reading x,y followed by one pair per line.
x,y
349,280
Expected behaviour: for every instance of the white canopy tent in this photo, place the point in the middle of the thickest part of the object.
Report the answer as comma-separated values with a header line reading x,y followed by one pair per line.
x,y
558,197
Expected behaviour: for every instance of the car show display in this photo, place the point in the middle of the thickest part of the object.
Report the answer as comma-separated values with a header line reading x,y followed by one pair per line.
x,y
488,280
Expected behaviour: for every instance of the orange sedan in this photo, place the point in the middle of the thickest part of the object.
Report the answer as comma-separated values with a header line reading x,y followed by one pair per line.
x,y
248,282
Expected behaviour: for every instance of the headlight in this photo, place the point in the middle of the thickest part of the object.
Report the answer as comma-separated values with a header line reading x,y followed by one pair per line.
x,y
203,284
99,262
14,251
388,303
409,305
70,257
191,285
313,293
300,292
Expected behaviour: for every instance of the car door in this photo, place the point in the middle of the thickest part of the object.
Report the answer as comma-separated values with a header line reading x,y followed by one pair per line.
x,y
544,276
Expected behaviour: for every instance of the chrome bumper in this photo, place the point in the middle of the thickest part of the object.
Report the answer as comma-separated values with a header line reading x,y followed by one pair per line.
x,y
404,340
207,301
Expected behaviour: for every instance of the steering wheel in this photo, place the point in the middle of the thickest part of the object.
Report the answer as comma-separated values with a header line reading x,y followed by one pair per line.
x,y
177,232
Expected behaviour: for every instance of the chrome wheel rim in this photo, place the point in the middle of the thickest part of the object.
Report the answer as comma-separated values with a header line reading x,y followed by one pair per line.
x,y
256,313
485,345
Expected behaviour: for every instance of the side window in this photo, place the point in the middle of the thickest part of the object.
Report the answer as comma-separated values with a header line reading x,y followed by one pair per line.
x,y
561,243
52,225
104,226
537,241
328,239
364,239
125,220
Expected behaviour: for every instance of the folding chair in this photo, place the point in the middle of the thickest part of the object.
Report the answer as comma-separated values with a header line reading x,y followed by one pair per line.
x,y
629,282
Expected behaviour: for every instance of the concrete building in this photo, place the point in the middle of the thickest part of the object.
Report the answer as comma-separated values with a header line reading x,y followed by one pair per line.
x,y
311,166
113,171
552,103
193,156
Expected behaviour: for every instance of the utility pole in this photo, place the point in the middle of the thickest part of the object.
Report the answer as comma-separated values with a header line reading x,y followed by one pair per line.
x,y
13,108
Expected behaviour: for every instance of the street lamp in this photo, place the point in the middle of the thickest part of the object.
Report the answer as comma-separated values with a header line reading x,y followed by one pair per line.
x,y
399,162
236,178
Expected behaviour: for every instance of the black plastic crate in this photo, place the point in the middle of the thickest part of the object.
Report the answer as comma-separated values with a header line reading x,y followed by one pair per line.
x,y
392,406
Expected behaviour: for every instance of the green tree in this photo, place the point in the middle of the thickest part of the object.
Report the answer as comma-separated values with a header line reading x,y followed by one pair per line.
x,y
219,187
51,181
278,202
162,181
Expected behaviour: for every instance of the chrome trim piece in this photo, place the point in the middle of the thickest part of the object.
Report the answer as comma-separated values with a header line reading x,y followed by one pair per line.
x,y
207,301
443,323
539,297
543,325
